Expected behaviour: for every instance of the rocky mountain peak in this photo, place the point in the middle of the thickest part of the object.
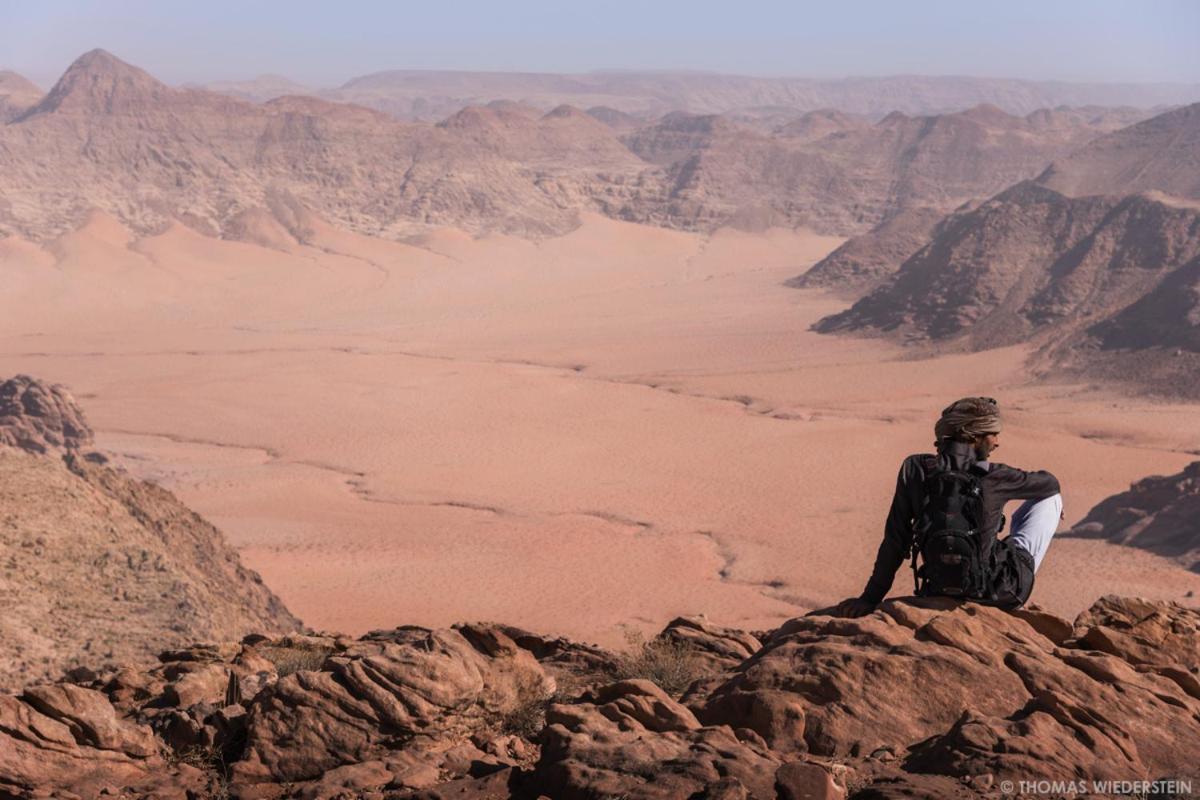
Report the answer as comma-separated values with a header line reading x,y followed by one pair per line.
x,y
1157,154
99,82
12,83
989,114
17,95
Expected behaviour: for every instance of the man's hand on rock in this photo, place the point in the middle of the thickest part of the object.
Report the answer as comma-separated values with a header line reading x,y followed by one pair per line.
x,y
854,607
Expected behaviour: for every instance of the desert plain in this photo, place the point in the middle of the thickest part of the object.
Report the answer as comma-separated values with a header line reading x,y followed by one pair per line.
x,y
583,434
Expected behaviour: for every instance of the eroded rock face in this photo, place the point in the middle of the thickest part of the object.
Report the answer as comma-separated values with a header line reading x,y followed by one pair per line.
x,y
68,740
216,161
631,739
1105,286
971,690
921,699
377,693
40,417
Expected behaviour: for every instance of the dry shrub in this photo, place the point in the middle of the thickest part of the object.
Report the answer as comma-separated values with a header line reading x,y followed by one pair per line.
x,y
207,759
527,717
295,658
667,662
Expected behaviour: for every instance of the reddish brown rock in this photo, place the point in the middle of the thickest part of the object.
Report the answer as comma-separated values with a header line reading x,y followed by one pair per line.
x,y
800,780
921,699
564,655
352,780
104,570
972,690
39,417
720,648
206,684
631,739
376,693
91,719
1142,631
79,748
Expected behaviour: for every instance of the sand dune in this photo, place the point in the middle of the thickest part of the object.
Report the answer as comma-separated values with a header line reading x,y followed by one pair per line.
x,y
613,427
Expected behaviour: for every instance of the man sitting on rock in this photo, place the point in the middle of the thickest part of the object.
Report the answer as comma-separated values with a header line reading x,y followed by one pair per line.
x,y
948,510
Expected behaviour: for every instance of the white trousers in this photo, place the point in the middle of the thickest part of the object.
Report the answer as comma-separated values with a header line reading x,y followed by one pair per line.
x,y
1034,525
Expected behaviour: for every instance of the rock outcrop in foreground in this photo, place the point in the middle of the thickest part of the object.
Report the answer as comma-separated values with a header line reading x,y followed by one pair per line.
x,y
923,698
99,568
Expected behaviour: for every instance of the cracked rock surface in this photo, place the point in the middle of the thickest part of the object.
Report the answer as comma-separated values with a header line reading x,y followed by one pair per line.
x,y
922,698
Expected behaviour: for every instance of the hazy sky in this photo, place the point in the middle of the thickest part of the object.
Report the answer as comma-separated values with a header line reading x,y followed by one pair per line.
x,y
325,43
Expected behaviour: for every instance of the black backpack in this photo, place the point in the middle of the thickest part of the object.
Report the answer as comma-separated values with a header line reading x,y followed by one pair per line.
x,y
947,537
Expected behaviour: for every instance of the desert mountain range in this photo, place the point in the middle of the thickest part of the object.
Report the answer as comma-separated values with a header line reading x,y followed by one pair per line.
x,y
431,94
108,135
1097,262
1043,261
530,357
98,567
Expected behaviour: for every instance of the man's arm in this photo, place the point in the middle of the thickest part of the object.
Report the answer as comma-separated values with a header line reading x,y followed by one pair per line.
x,y
1017,484
897,535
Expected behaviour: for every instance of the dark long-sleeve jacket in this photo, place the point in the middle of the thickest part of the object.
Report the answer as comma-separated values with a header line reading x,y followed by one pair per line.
x,y
1000,483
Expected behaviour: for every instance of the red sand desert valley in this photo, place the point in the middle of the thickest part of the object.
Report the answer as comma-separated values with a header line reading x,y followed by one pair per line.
x,y
608,428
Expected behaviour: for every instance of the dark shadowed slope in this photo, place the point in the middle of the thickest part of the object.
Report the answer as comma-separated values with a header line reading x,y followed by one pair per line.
x,y
1160,513
1107,284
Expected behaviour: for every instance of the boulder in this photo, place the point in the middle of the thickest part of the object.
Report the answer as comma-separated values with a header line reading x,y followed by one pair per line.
x,y
630,739
40,417
921,699
378,694
967,690
844,687
801,780
1142,632
720,648
66,744
91,719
